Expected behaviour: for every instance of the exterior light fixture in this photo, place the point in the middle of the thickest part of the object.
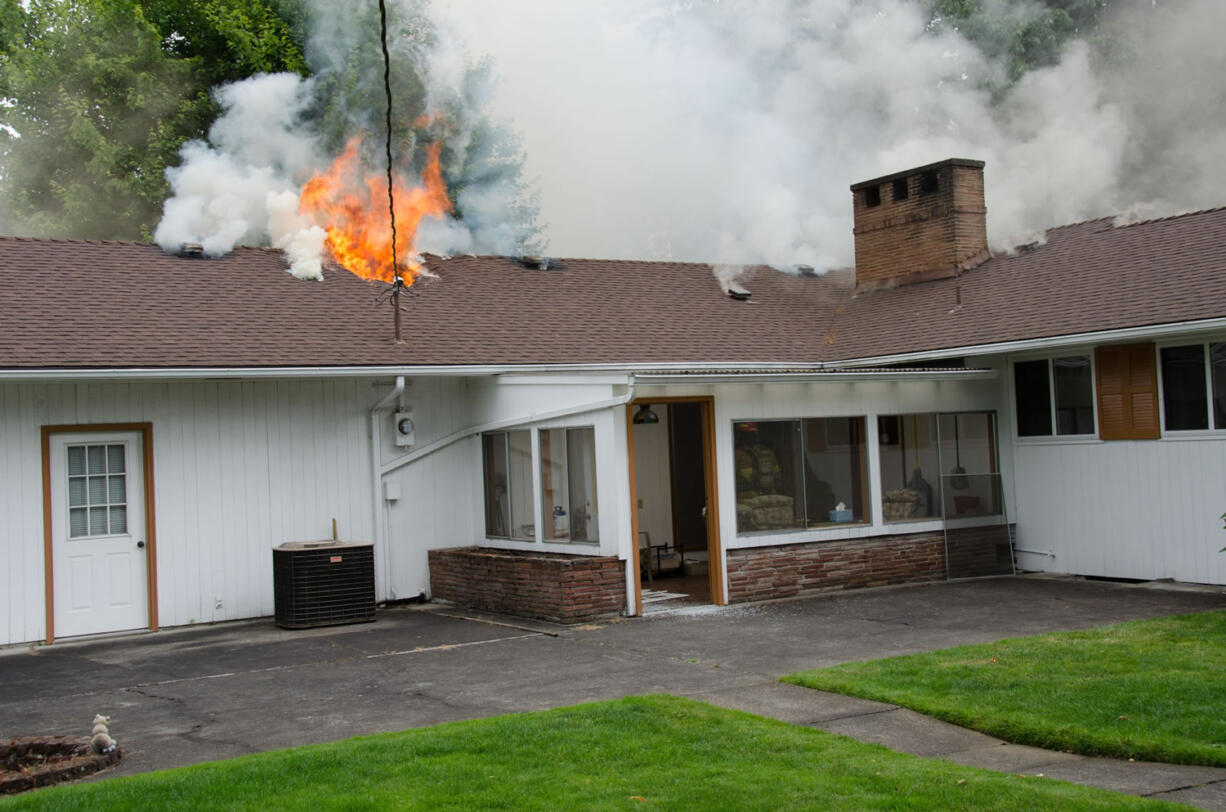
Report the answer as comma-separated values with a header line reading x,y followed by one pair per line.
x,y
645,416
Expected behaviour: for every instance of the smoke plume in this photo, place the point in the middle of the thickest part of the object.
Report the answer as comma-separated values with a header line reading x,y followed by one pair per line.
x,y
275,132
730,132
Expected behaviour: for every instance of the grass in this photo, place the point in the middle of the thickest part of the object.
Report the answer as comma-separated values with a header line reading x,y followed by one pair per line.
x,y
642,752
1152,690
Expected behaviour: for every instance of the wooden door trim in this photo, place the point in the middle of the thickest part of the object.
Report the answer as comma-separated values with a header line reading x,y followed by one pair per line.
x,y
715,557
146,432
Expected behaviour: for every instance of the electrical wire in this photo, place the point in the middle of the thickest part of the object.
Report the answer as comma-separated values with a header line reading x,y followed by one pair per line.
x,y
397,282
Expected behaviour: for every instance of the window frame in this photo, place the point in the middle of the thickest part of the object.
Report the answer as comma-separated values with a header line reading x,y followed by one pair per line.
x,y
1054,437
1206,357
537,488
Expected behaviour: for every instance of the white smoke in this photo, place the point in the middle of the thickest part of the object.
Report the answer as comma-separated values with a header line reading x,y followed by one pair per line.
x,y
731,131
241,186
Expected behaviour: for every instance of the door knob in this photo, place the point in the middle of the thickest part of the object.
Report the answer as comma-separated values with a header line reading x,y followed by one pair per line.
x,y
140,544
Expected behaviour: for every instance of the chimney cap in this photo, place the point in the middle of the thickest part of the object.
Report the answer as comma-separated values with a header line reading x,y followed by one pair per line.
x,y
965,162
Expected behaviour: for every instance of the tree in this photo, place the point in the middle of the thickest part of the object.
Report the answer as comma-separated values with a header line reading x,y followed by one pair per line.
x,y
100,94
1025,35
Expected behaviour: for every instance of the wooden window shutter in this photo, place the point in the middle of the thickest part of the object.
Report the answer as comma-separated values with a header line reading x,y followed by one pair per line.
x,y
1127,392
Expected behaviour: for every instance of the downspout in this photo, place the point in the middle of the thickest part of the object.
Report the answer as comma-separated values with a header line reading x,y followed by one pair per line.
x,y
376,485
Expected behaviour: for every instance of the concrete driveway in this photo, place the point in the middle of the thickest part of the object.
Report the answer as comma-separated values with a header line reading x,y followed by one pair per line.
x,y
184,696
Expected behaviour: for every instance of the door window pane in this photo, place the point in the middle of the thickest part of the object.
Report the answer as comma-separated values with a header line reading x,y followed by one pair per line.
x,y
76,460
119,519
1033,395
1074,395
78,523
76,492
97,521
1217,366
835,472
97,459
769,479
1183,388
97,490
114,459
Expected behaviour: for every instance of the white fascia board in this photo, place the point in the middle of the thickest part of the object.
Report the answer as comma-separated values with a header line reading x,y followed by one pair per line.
x,y
618,371
1148,332
663,379
563,379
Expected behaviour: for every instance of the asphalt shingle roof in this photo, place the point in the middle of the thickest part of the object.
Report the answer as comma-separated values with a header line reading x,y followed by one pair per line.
x,y
83,304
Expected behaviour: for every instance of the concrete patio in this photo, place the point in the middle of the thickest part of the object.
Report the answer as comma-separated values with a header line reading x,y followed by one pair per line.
x,y
190,695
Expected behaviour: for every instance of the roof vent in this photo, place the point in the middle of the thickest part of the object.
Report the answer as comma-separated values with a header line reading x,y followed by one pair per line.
x,y
191,249
806,270
737,292
535,262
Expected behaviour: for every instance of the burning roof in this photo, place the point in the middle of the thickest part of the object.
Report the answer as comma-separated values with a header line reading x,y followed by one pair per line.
x,y
242,310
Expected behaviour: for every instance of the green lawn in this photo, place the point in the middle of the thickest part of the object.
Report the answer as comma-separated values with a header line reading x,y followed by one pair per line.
x,y
643,752
1153,690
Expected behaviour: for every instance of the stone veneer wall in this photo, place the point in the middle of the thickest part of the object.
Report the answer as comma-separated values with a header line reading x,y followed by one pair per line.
x,y
762,573
561,588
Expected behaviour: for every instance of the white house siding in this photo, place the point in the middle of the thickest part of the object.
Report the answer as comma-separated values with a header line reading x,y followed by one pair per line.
x,y
1124,509
239,467
438,506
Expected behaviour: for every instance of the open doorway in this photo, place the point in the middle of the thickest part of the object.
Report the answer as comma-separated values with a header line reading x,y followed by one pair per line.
x,y
672,459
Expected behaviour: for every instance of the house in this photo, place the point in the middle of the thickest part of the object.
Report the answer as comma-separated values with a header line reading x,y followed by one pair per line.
x,y
582,431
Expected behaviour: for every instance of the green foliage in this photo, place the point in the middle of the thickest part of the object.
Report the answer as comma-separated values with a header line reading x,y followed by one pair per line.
x,y
1149,689
642,752
1025,35
102,93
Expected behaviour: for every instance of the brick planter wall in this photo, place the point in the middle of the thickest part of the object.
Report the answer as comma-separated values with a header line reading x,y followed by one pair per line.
x,y
761,573
561,588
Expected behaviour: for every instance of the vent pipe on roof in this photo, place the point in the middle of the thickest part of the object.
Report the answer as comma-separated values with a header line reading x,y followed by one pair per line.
x,y
535,262
191,249
737,292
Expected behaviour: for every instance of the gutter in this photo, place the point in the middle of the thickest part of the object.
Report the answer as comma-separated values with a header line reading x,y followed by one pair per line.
x,y
824,377
1036,344
376,490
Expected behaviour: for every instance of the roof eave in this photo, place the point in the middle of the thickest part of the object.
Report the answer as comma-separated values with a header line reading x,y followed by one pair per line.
x,y
1147,332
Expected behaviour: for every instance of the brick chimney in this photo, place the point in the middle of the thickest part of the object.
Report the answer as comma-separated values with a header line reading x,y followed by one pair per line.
x,y
925,223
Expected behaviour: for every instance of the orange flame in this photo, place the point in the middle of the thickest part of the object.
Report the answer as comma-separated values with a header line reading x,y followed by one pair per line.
x,y
353,212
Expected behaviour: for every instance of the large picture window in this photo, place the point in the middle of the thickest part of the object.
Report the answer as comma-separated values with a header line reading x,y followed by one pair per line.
x,y
1194,387
793,474
1054,395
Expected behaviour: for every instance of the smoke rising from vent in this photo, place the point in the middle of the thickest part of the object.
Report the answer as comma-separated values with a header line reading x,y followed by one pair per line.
x,y
731,132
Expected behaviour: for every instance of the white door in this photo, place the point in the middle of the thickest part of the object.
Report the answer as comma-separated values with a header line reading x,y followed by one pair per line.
x,y
98,533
